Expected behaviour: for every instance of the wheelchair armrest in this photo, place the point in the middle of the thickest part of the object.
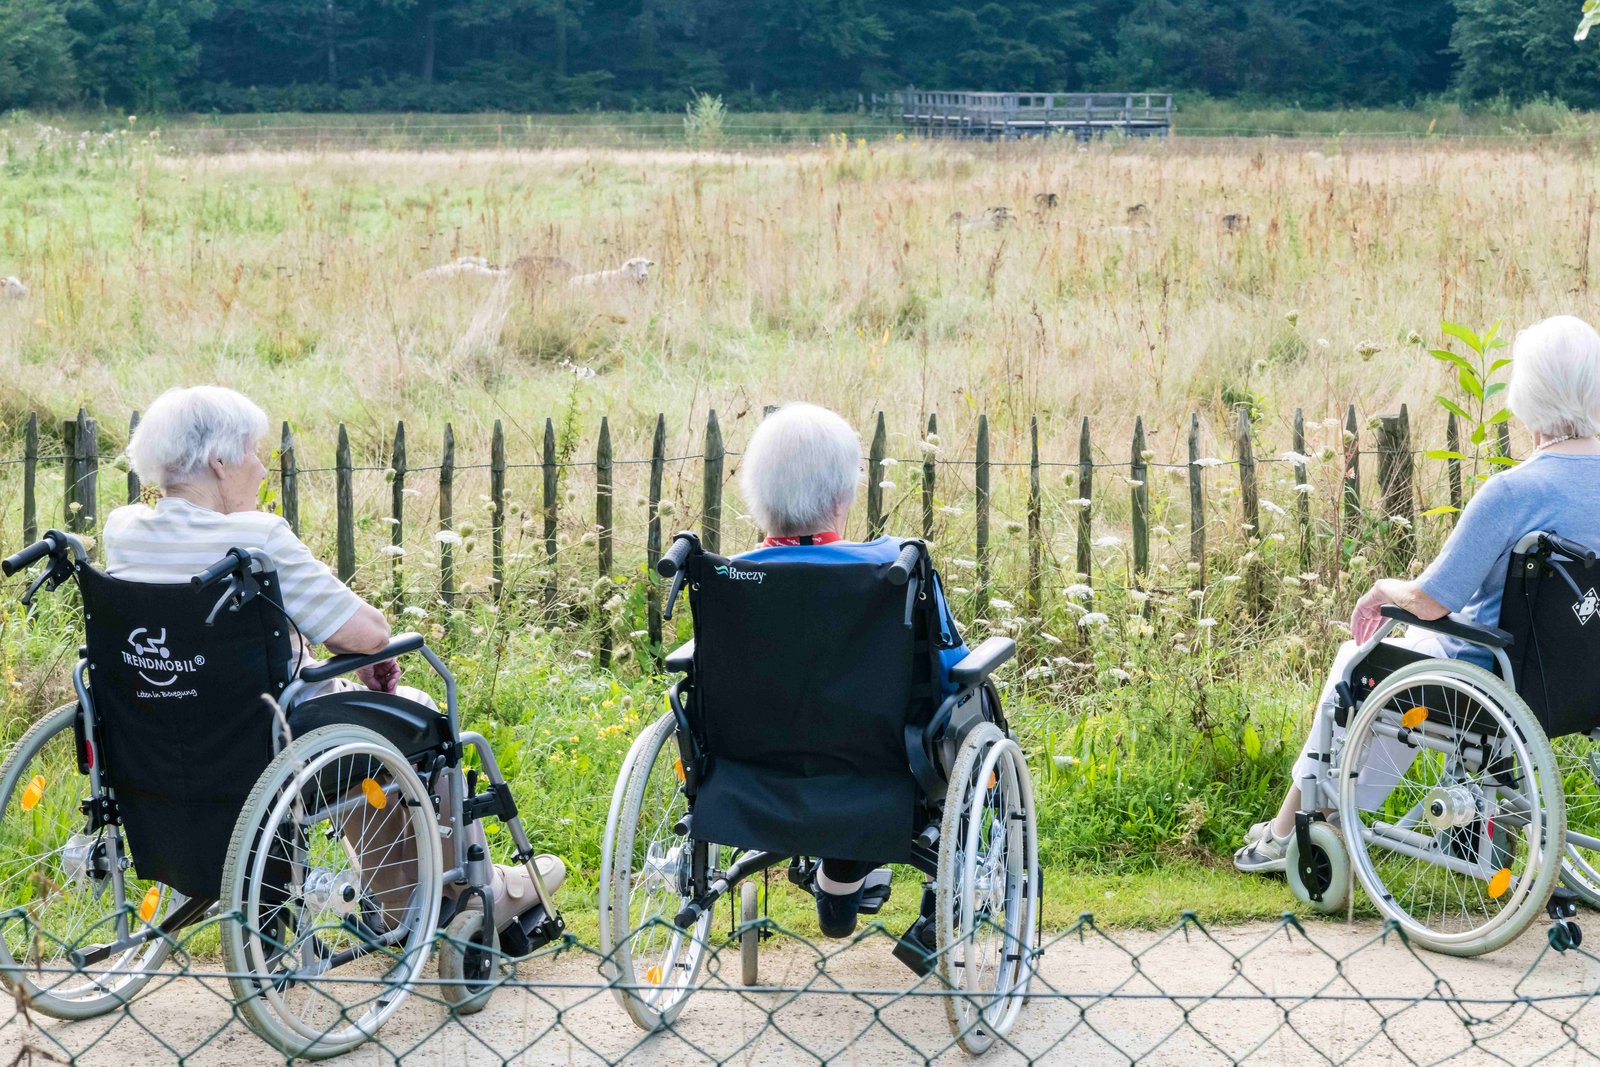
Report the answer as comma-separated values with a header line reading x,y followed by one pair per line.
x,y
982,661
1450,626
399,645
681,659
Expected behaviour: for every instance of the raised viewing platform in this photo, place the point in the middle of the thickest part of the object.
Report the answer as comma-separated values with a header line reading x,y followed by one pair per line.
x,y
1001,116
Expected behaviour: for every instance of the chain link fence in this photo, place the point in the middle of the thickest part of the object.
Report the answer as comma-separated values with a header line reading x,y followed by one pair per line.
x,y
1261,993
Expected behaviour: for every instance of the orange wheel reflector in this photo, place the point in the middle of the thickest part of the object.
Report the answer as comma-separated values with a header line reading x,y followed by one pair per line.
x,y
1500,882
1414,718
147,906
994,779
653,976
32,792
677,767
374,792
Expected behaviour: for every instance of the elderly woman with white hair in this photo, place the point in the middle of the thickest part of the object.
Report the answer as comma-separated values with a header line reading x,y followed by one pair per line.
x,y
200,446
799,478
1555,393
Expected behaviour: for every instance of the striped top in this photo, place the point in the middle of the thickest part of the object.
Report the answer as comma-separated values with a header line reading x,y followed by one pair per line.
x,y
175,540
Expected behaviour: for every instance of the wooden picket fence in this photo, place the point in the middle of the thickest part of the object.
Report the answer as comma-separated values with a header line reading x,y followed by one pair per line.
x,y
1397,502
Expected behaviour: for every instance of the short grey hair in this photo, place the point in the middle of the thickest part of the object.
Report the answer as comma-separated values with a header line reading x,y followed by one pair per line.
x,y
185,429
800,470
1555,378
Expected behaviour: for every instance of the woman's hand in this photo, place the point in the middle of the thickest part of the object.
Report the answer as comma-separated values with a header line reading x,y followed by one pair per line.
x,y
381,677
1368,615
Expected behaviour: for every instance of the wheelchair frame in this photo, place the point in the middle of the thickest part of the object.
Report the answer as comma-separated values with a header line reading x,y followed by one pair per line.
x,y
1311,863
957,718
239,571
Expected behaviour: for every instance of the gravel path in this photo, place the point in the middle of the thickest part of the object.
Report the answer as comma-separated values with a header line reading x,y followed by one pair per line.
x,y
1104,998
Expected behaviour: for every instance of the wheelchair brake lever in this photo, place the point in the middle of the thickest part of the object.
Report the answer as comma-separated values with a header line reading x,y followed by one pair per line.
x,y
33,590
672,595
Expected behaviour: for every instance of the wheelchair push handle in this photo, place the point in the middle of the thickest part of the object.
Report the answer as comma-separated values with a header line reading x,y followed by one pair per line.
x,y
26,558
676,556
221,569
905,564
1569,548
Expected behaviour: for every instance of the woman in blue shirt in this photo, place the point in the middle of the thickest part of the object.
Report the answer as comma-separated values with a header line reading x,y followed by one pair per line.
x,y
799,478
1555,393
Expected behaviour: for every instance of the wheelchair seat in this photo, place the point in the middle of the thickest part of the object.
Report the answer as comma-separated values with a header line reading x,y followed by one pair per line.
x,y
183,727
809,690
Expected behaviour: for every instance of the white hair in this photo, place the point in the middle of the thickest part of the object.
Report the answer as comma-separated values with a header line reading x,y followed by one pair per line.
x,y
1555,378
800,470
185,429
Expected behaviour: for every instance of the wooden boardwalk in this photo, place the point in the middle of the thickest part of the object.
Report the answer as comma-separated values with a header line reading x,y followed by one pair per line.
x,y
1004,116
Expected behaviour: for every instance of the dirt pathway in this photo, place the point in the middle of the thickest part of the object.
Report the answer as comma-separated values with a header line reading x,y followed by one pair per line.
x,y
1254,992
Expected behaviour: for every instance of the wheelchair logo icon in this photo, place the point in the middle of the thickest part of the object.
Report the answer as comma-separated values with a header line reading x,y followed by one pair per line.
x,y
1587,608
150,653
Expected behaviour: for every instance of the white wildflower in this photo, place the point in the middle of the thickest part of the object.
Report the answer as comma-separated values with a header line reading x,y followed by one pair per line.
x,y
415,612
1206,623
1299,459
1079,591
886,484
391,551
1303,487
1079,502
1093,618
1273,508
1108,541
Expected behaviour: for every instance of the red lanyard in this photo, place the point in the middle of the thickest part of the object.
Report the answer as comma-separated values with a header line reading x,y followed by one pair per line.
x,y
827,537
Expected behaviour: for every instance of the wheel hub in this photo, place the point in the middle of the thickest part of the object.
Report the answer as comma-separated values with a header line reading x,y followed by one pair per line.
x,y
337,892
662,868
1446,807
80,860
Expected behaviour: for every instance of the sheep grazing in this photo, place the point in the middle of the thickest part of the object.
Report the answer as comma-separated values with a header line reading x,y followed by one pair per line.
x,y
473,266
1137,213
1232,223
532,269
1045,201
13,288
635,270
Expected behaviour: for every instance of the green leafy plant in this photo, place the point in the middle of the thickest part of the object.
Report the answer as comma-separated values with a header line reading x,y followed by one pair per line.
x,y
703,121
1475,377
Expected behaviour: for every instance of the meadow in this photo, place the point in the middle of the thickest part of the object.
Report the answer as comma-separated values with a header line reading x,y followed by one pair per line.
x,y
838,273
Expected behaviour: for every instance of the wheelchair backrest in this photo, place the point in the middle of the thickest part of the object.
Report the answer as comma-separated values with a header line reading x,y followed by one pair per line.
x,y
1551,609
182,726
807,676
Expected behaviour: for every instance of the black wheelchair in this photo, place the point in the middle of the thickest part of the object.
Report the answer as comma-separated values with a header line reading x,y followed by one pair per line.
x,y
1463,794
196,778
811,723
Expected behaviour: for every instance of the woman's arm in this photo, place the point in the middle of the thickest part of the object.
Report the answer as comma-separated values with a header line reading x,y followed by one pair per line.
x,y
1368,615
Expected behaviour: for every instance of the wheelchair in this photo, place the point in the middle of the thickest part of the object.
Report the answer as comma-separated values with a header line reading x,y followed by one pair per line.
x,y
810,723
197,780
1463,847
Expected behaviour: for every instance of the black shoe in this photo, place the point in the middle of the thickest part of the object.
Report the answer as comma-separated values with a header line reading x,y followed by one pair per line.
x,y
836,912
875,891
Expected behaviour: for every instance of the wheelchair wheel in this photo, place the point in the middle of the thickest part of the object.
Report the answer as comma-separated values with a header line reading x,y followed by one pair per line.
x,y
469,962
1578,762
335,871
58,886
644,872
988,888
749,935
1330,862
1462,845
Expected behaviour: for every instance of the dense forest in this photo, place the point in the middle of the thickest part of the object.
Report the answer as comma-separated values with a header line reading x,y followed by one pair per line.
x,y
554,55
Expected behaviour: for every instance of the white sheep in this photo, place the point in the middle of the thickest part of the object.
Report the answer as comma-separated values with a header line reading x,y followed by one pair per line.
x,y
13,288
636,270
475,266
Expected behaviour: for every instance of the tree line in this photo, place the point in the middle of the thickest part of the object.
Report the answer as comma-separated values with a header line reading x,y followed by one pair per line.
x,y
556,55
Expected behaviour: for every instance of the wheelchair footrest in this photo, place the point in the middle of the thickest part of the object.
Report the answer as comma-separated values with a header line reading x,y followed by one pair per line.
x,y
875,893
917,946
530,931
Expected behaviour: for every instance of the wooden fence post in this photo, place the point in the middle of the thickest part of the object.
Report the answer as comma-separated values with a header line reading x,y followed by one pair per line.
x,y
711,510
930,466
346,508
1085,559
30,477
1139,493
1035,524
981,478
549,501
1502,445
397,497
69,473
447,518
1302,503
1350,520
1395,481
1249,497
875,479
289,480
497,509
133,475
652,550
1452,443
603,524
1197,508
84,493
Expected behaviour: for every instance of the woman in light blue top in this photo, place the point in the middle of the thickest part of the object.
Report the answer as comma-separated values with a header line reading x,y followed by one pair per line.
x,y
1555,393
